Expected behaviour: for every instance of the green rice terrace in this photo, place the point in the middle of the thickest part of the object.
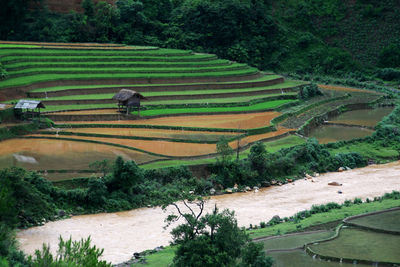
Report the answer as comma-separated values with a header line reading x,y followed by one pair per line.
x,y
190,102
363,243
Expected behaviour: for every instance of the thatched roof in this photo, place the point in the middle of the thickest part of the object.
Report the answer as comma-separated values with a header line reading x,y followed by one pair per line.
x,y
29,104
125,94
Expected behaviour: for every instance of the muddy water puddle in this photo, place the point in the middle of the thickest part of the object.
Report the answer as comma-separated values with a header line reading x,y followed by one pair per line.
x,y
364,117
122,233
333,133
42,154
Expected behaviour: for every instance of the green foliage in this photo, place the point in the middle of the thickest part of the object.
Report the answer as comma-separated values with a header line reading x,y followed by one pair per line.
x,y
102,166
69,253
258,159
214,240
3,72
224,151
309,91
97,191
29,194
388,74
126,175
389,57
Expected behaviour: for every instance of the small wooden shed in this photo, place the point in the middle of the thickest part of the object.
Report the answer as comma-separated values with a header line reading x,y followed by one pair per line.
x,y
128,99
29,108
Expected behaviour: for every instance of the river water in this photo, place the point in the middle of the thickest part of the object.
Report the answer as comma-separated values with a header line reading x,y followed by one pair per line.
x,y
122,233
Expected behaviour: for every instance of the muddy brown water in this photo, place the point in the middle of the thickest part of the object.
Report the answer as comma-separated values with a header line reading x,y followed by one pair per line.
x,y
361,117
42,154
364,117
333,133
122,233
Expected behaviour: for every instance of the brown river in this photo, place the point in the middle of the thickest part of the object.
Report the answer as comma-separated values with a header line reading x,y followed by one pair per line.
x,y
122,233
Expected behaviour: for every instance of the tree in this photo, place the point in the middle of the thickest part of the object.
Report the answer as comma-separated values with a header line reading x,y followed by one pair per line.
x,y
103,166
258,158
97,191
70,253
224,150
126,175
213,239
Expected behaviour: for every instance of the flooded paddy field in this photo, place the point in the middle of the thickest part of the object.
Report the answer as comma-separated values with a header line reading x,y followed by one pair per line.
x,y
333,133
156,133
42,154
229,121
363,117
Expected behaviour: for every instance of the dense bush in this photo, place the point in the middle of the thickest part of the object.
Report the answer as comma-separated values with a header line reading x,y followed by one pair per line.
x,y
388,74
3,72
70,253
390,56
299,36
309,91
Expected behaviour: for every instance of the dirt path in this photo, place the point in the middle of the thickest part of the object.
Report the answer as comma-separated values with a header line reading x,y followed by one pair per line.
x,y
123,233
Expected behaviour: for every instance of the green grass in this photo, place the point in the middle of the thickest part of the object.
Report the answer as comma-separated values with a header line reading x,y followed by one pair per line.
x,y
85,51
94,70
239,99
271,146
259,106
62,57
155,112
117,63
384,221
159,259
16,46
295,241
299,258
26,80
359,244
276,145
368,150
284,85
263,78
50,108
321,218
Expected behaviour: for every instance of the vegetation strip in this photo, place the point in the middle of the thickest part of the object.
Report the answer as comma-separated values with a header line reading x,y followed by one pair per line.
x,y
141,137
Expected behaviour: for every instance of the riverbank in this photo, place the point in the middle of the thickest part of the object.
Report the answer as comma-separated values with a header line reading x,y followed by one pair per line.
x,y
122,233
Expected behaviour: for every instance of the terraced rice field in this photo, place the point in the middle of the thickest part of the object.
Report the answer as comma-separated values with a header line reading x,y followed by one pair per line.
x,y
359,244
383,221
226,121
155,133
193,99
44,154
350,245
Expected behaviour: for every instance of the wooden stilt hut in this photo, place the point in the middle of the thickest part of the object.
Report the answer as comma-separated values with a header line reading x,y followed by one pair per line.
x,y
128,99
29,108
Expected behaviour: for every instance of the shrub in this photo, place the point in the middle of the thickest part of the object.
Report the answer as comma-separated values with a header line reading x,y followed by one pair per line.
x,y
389,56
70,253
3,72
388,74
309,91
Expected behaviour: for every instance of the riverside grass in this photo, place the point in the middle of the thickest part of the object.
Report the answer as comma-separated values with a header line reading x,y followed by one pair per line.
x,y
164,257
